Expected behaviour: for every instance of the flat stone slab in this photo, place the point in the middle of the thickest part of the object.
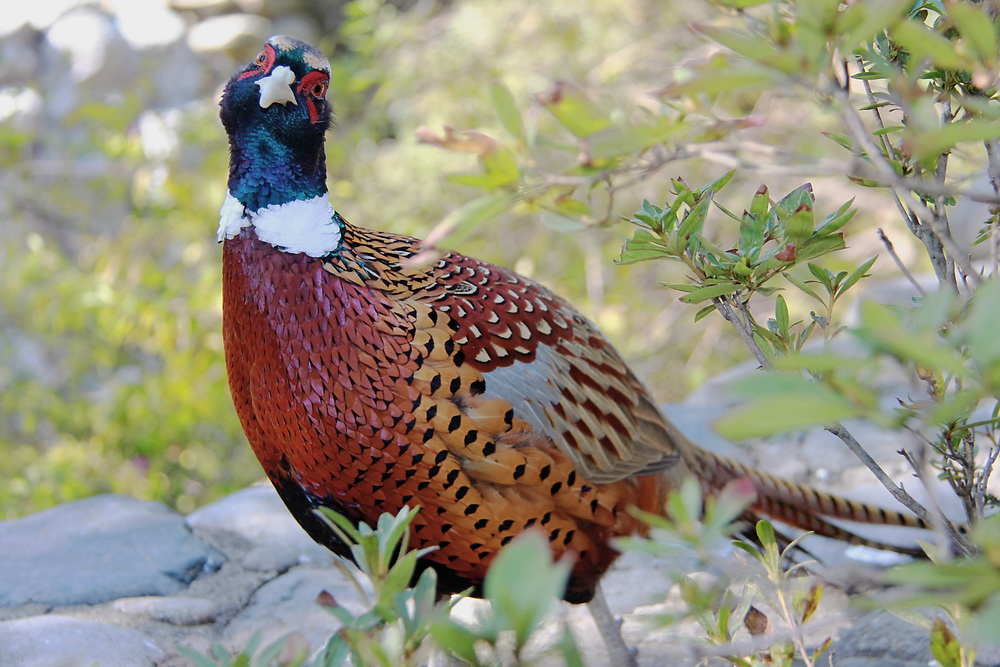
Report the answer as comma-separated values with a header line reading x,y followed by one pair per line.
x,y
99,549
256,516
44,641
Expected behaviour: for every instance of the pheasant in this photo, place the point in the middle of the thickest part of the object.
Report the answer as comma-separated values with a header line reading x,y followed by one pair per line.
x,y
365,383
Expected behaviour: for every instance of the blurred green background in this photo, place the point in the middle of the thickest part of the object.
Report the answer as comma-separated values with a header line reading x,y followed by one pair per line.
x,y
113,167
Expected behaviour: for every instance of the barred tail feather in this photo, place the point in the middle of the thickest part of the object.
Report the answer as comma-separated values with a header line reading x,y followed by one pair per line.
x,y
798,505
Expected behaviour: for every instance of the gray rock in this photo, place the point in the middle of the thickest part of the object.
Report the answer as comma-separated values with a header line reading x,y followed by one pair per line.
x,y
99,549
256,516
63,641
174,609
288,605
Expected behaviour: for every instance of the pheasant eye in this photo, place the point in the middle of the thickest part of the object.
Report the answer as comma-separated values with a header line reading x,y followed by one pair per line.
x,y
261,58
319,90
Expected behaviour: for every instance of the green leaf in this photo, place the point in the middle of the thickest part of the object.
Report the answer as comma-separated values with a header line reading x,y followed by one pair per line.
x,y
781,316
799,405
710,292
817,247
803,287
802,195
694,221
836,220
455,638
856,275
751,46
759,204
523,584
643,246
883,328
506,110
710,82
944,645
799,225
977,27
715,186
922,43
859,22
574,110
466,217
613,142
704,312
927,144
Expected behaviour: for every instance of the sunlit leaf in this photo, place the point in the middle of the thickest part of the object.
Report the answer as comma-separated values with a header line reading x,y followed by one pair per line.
x,y
506,110
571,106
922,43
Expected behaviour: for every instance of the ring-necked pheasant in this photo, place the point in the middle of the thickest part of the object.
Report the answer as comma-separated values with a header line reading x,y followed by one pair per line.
x,y
364,385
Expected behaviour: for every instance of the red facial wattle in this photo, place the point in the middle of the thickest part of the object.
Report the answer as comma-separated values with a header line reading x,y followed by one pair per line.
x,y
313,89
262,64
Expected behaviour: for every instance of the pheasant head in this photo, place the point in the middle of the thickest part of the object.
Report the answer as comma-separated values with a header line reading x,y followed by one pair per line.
x,y
276,114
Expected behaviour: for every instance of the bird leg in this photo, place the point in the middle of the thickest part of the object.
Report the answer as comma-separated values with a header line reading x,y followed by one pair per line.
x,y
619,653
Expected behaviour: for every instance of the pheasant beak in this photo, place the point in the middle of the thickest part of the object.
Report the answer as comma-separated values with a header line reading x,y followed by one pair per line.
x,y
277,87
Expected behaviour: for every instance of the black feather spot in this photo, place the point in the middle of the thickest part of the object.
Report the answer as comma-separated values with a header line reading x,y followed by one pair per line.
x,y
445,527
441,456
455,422
432,412
568,537
435,383
428,434
593,506
471,436
471,509
554,535
571,478
544,472
554,489
452,476
477,387
489,448
506,524
417,458
459,358
505,541
456,384
423,485
462,492
546,518
449,347
482,523
520,470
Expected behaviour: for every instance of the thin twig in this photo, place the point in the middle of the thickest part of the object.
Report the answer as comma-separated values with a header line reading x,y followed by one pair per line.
x,y
725,308
899,263
897,490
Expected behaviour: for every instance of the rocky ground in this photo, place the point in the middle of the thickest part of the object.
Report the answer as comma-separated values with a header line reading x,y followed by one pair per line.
x,y
114,581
